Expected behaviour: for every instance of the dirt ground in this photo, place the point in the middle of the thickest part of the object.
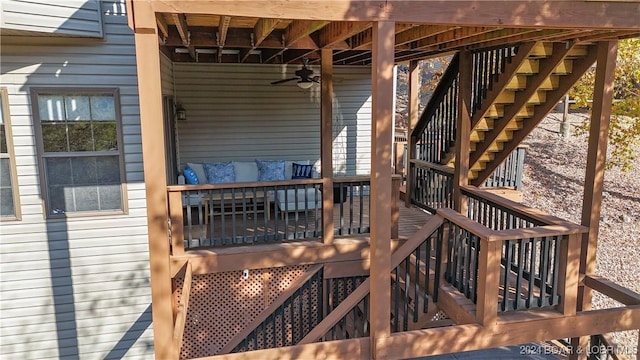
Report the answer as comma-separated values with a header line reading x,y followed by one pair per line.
x,y
554,182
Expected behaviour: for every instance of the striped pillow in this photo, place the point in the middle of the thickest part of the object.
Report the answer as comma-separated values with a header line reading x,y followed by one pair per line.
x,y
301,171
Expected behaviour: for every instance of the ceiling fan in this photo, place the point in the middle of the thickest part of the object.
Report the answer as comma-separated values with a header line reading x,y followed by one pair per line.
x,y
304,76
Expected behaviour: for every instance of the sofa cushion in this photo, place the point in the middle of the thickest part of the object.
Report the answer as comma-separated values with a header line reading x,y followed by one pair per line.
x,y
219,173
299,199
270,170
190,176
301,171
199,170
246,171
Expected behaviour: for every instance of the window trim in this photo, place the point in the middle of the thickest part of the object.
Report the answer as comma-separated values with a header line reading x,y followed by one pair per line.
x,y
115,92
6,115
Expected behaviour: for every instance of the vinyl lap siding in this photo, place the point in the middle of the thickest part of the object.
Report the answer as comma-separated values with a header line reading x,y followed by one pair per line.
x,y
234,113
59,17
75,288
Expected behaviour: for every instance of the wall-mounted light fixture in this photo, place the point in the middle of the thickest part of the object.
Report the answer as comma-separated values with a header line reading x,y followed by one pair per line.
x,y
181,113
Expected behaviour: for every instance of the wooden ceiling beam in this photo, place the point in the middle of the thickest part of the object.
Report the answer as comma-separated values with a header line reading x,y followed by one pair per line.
x,y
336,32
514,13
450,35
221,35
480,38
299,29
291,56
263,28
421,32
162,25
180,20
538,35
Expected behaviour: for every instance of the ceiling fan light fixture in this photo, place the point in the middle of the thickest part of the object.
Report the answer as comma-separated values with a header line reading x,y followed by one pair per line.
x,y
305,84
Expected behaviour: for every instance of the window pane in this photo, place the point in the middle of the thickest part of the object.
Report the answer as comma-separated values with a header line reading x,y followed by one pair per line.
x,y
5,173
84,171
6,202
77,107
58,171
110,197
61,199
87,198
105,136
108,170
54,137
103,107
3,139
51,107
80,138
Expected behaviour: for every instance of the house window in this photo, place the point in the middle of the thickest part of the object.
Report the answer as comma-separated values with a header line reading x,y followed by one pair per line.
x,y
9,208
79,141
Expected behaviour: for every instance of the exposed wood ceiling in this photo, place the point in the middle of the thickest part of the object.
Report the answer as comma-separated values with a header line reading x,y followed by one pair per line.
x,y
227,39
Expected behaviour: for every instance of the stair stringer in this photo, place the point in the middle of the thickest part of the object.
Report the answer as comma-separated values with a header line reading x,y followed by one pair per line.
x,y
580,66
530,96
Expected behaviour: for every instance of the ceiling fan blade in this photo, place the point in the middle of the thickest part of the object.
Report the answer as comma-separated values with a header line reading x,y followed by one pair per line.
x,y
316,79
283,81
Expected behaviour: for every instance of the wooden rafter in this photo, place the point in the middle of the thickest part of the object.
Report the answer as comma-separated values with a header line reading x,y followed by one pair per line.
x,y
223,28
263,28
162,25
299,29
421,32
537,35
454,34
180,21
338,31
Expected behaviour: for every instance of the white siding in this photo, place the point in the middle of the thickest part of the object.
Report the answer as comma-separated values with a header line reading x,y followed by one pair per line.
x,y
233,113
79,287
166,75
58,17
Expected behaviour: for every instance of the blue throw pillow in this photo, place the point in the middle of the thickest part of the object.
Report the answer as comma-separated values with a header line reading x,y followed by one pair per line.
x,y
219,173
190,176
270,170
301,171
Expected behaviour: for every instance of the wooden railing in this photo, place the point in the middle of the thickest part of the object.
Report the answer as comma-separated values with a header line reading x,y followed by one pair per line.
x,y
287,320
212,215
509,173
435,132
538,253
357,301
432,185
487,66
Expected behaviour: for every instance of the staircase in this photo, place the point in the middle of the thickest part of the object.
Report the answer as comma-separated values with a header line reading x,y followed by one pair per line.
x,y
513,88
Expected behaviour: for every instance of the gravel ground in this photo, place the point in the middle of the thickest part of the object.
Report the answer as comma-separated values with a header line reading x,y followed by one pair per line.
x,y
553,181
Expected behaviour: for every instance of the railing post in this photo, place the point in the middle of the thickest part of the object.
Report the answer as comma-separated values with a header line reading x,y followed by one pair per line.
x,y
177,227
396,180
568,274
488,278
413,105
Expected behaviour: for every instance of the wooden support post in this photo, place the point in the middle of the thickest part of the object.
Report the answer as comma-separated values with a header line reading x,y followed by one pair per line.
x,y
463,132
414,116
153,155
381,143
596,159
326,143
